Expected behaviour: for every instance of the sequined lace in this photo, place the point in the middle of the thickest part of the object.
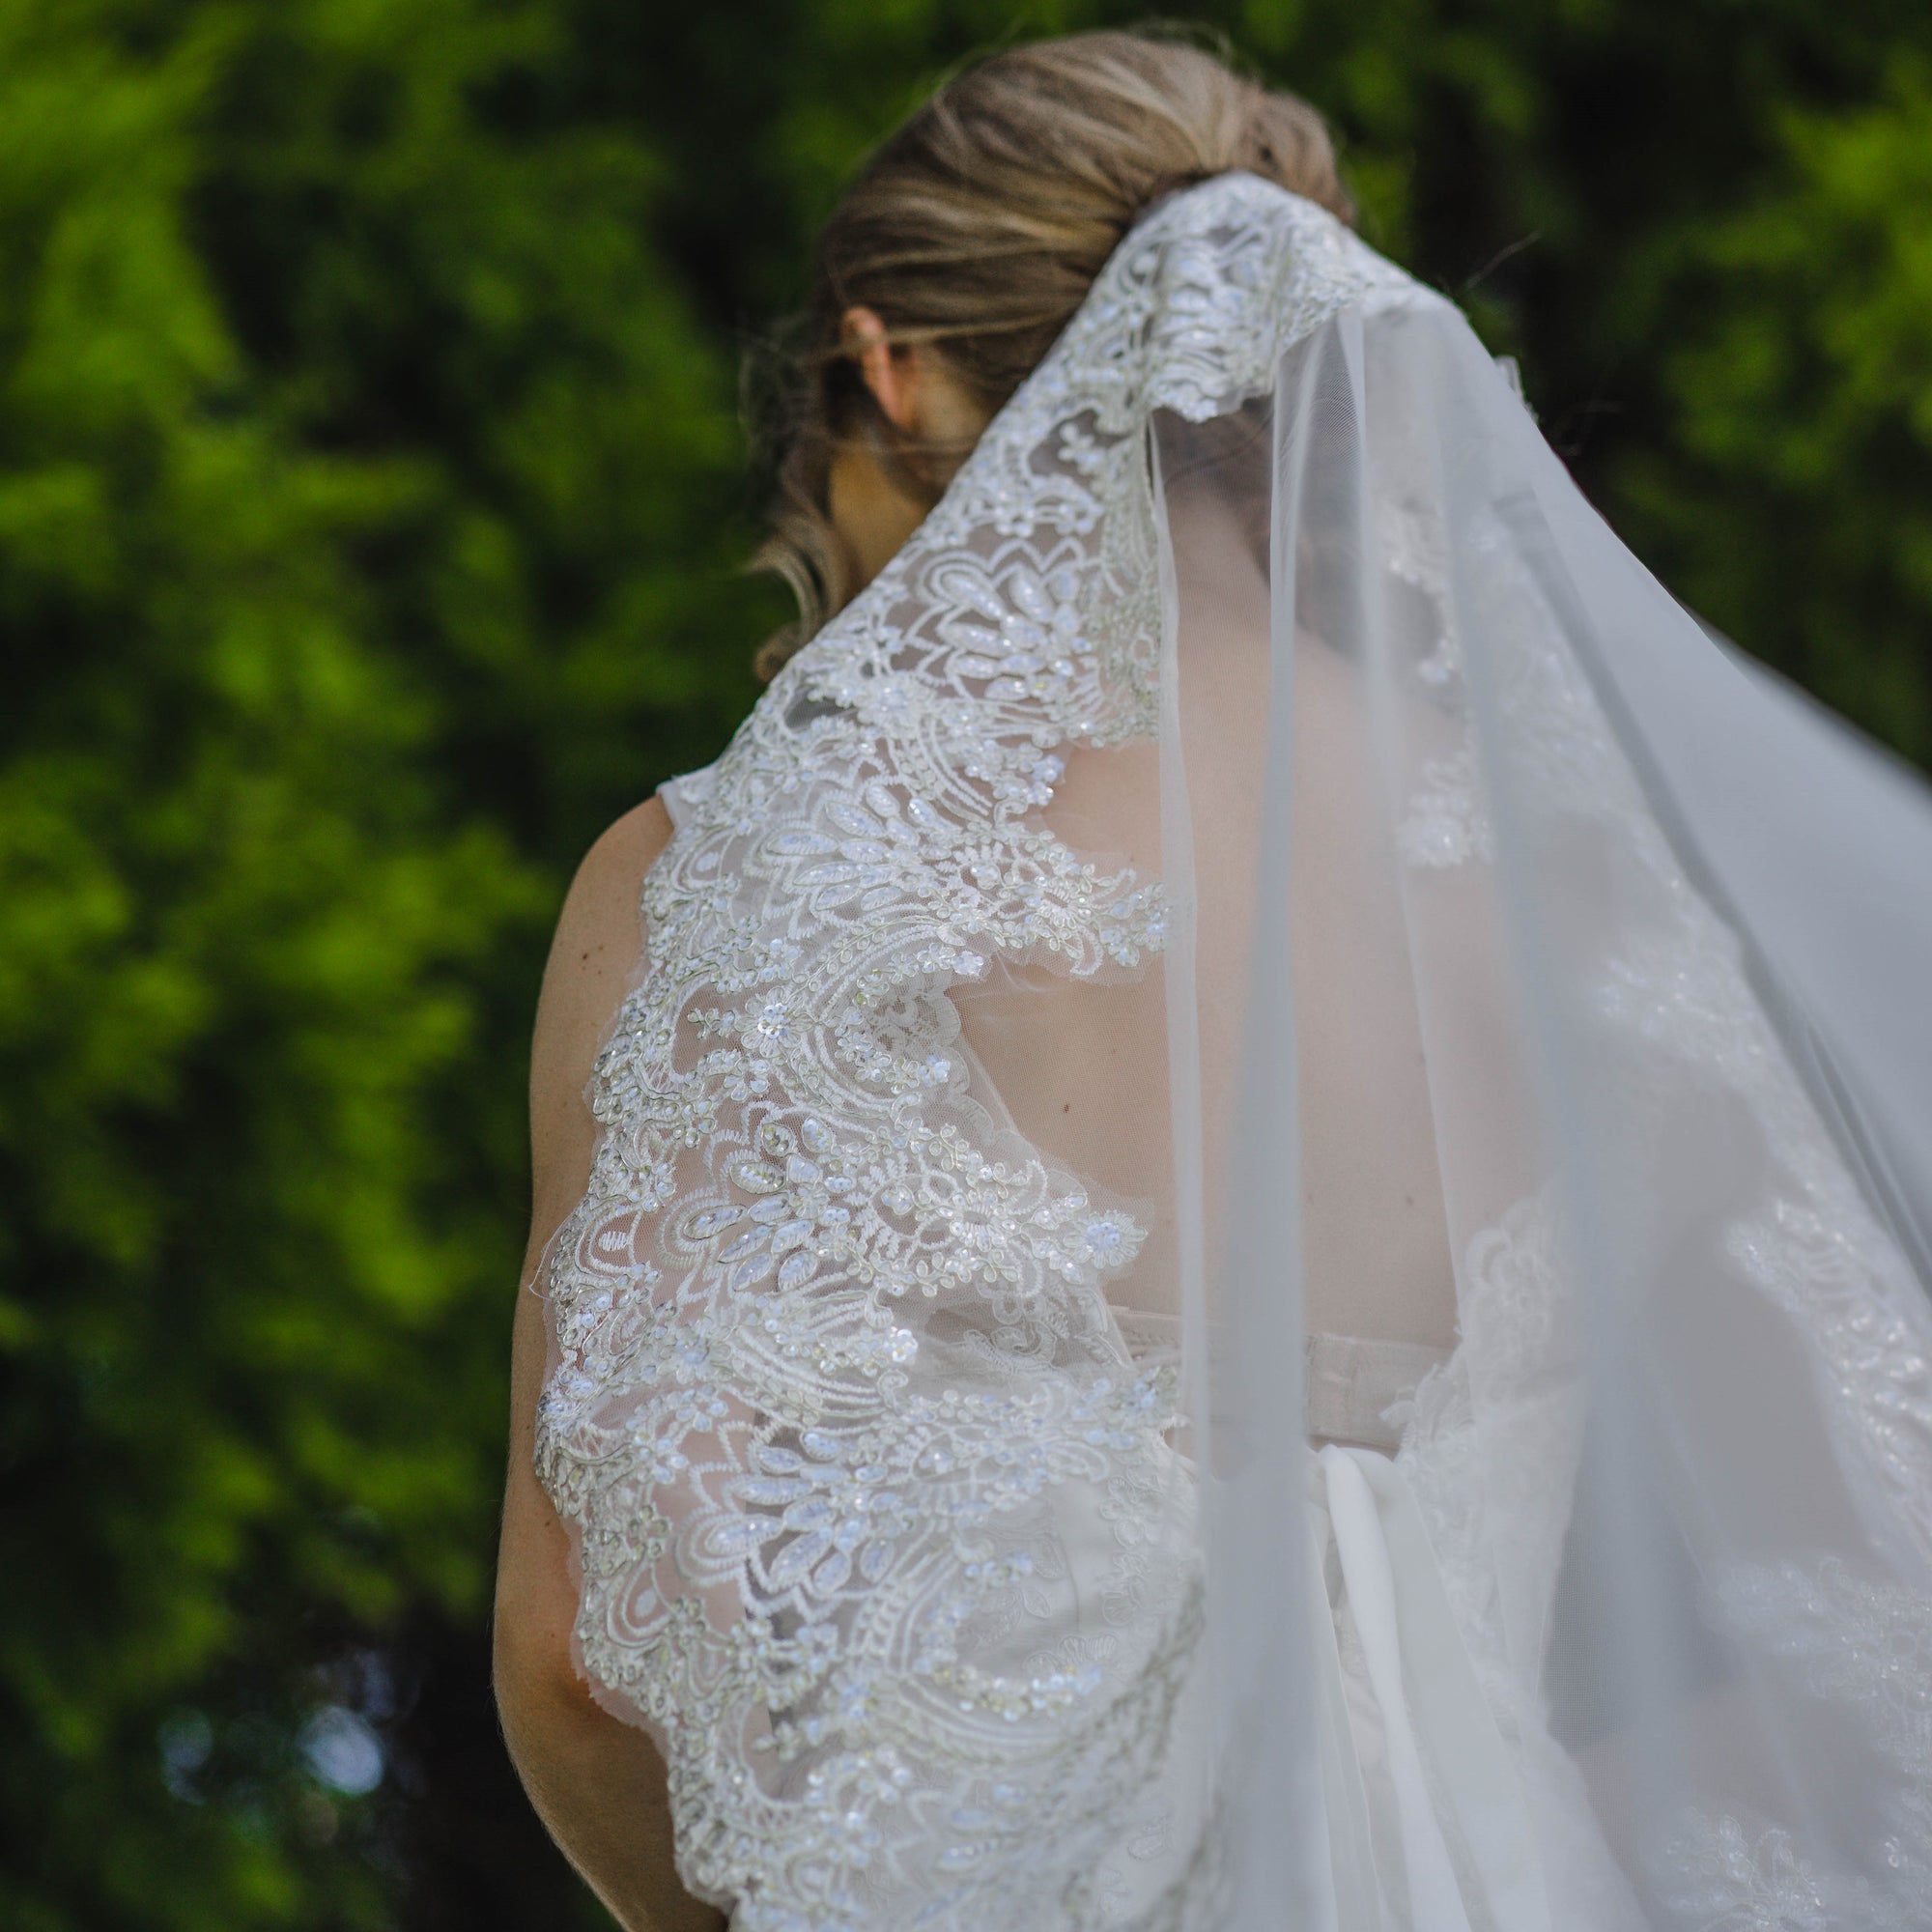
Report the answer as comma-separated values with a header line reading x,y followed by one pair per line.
x,y
879,1530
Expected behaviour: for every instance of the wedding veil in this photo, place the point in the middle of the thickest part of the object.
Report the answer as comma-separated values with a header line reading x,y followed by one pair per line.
x,y
1263,886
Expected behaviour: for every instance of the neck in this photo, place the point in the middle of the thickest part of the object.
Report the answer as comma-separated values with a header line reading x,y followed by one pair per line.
x,y
872,513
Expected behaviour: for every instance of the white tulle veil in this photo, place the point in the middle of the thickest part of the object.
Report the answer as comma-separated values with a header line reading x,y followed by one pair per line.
x,y
1264,862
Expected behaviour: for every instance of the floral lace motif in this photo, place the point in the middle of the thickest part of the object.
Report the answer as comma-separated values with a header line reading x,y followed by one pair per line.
x,y
1858,1646
879,1531
1682,1031
1676,999
1673,1010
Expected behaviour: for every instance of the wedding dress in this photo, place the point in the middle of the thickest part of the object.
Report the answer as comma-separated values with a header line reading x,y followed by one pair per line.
x,y
1259,1250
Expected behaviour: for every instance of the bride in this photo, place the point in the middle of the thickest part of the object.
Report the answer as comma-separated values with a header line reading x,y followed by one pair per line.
x,y
1245,1243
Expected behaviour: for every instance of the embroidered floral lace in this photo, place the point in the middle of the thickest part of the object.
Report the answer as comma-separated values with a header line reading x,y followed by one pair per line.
x,y
886,1534
839,1412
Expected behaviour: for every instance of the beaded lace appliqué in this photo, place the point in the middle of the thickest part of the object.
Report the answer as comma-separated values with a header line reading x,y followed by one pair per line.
x,y
878,1529
1861,1646
1676,997
879,1525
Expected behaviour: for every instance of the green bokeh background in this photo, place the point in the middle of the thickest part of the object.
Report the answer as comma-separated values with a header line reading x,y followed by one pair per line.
x,y
372,497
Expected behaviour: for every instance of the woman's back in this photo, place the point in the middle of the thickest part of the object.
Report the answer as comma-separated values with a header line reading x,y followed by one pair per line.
x,y
1149,1333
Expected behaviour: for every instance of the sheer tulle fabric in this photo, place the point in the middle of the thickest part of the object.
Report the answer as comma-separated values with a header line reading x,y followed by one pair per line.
x,y
1255,1260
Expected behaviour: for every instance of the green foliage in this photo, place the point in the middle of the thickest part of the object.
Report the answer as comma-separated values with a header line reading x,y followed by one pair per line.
x,y
1795,494
359,477
370,505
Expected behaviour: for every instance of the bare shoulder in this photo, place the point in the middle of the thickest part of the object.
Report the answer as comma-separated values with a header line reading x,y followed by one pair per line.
x,y
597,938
594,958
598,1783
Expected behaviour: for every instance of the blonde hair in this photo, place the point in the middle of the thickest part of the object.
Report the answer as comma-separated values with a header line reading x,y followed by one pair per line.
x,y
980,225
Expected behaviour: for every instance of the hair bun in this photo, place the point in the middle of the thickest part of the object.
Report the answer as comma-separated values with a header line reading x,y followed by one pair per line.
x,y
980,225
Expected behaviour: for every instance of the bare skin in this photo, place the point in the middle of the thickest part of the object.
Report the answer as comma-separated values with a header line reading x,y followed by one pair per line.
x,y
871,508
598,1783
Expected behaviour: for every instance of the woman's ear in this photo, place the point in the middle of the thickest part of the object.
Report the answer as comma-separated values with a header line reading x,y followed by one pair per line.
x,y
890,374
